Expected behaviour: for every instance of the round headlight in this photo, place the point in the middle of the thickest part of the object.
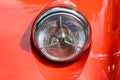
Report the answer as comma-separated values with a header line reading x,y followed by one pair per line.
x,y
61,34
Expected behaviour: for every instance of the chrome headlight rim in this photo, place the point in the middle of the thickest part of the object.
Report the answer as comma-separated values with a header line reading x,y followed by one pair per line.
x,y
61,10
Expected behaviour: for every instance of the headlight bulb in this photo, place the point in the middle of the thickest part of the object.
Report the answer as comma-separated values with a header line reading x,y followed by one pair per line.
x,y
61,34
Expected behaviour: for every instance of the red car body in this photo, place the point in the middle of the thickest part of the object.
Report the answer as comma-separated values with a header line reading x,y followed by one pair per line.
x,y
19,60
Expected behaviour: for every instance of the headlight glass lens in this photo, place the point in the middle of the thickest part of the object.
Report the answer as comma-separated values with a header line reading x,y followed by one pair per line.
x,y
61,34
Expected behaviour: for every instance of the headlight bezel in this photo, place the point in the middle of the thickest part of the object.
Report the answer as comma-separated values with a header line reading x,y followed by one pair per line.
x,y
61,10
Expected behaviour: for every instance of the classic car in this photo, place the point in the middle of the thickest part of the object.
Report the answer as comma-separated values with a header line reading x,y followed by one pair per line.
x,y
59,40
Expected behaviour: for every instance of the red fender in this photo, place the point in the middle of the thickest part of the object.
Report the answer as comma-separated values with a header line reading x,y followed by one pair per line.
x,y
20,61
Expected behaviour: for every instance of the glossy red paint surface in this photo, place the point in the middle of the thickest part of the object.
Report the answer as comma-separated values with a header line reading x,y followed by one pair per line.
x,y
19,61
